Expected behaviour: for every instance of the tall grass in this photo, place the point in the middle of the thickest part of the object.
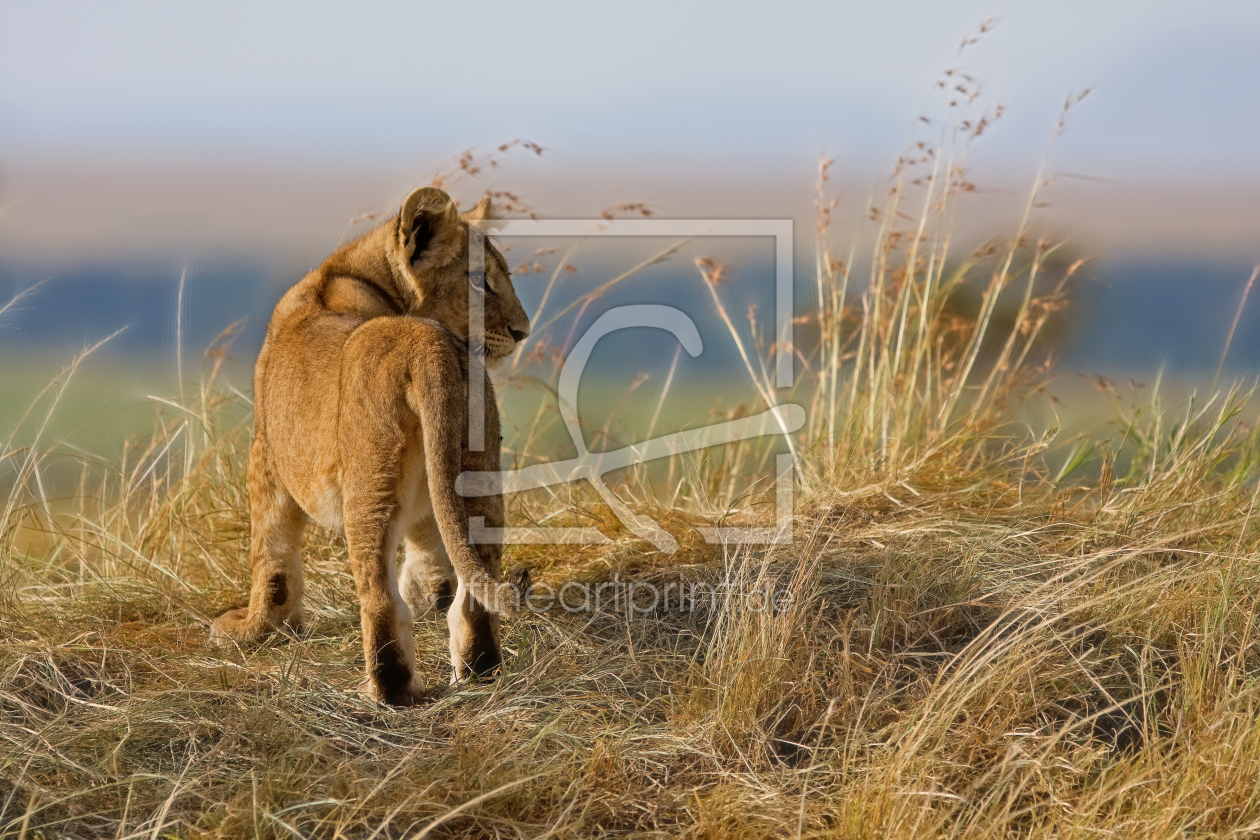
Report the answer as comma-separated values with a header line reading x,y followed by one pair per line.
x,y
976,631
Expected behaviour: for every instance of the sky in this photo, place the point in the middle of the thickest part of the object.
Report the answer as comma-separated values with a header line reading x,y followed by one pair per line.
x,y
670,99
1175,83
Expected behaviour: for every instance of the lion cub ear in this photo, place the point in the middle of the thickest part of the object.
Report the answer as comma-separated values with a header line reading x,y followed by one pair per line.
x,y
429,228
481,212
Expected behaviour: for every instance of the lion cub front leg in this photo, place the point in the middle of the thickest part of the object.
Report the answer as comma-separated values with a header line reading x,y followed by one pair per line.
x,y
427,579
275,552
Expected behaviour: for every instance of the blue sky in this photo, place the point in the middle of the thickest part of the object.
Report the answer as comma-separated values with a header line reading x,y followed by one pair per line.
x,y
1177,84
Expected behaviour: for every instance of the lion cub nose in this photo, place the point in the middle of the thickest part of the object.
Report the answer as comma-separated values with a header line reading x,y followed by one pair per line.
x,y
519,335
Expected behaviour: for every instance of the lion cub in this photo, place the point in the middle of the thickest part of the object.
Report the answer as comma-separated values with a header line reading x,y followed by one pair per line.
x,y
361,423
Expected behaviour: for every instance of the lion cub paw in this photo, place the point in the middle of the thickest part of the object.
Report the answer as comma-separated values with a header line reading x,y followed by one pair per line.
x,y
231,628
234,628
412,694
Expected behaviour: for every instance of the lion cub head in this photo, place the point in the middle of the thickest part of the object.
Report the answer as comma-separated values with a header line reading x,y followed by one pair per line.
x,y
429,254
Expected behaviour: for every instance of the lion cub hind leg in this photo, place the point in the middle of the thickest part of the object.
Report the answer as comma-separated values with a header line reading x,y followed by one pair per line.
x,y
275,551
372,440
372,537
427,579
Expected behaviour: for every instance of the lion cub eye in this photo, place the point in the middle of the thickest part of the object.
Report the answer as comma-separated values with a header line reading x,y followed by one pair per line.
x,y
481,280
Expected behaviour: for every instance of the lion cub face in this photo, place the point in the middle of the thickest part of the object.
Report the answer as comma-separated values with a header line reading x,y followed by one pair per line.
x,y
431,243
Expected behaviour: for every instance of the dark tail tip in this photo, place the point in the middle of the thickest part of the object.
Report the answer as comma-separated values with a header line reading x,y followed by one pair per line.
x,y
520,580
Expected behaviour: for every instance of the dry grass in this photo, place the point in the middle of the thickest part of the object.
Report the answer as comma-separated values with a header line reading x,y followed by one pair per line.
x,y
974,642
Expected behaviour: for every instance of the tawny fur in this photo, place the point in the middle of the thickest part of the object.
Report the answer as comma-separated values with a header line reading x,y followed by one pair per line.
x,y
361,423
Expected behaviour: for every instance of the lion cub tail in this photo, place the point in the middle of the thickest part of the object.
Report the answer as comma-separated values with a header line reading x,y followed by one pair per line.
x,y
438,400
